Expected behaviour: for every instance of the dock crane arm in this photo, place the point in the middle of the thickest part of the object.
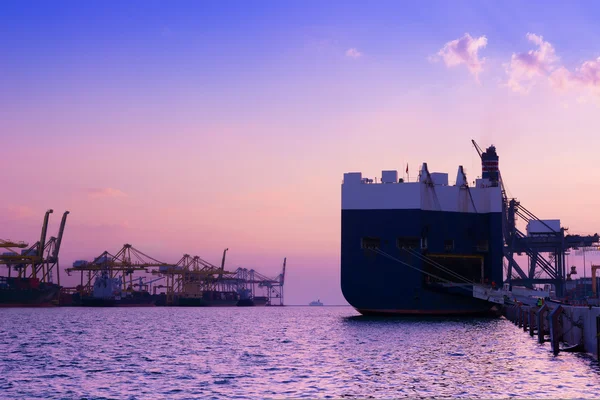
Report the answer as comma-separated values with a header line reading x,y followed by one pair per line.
x,y
283,273
479,151
60,234
223,263
43,235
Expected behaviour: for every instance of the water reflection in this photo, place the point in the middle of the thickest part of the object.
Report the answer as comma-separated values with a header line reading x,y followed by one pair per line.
x,y
277,352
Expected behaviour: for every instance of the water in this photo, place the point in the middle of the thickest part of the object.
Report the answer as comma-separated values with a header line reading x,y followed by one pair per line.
x,y
299,352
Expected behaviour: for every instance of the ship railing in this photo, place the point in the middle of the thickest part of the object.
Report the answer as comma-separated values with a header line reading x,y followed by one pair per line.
x,y
375,181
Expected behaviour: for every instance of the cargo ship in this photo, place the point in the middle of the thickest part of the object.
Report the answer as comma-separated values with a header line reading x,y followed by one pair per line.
x,y
247,299
208,299
108,292
419,247
27,292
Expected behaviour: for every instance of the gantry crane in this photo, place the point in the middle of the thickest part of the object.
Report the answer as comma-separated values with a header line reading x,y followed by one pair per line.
x,y
125,262
193,275
247,279
9,245
39,260
147,284
554,243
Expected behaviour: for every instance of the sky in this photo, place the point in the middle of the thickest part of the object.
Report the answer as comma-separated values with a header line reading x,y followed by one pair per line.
x,y
190,127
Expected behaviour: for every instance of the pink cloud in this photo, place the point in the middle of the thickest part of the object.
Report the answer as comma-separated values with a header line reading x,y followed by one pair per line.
x,y
20,212
106,192
585,77
525,68
464,51
353,53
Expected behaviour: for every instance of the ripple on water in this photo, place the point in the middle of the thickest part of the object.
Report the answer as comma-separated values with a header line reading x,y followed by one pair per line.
x,y
297,352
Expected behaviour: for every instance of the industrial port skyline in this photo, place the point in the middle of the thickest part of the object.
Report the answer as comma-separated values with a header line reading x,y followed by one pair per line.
x,y
211,128
186,183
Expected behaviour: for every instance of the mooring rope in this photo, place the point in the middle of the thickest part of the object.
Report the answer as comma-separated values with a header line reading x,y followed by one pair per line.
x,y
381,252
437,265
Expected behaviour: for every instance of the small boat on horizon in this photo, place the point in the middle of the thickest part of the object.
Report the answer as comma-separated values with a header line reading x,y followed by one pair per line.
x,y
315,303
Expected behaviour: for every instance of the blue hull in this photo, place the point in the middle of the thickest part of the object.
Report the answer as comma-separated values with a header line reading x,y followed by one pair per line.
x,y
375,284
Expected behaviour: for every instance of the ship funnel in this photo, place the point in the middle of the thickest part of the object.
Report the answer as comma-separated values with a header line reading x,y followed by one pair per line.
x,y
461,177
489,165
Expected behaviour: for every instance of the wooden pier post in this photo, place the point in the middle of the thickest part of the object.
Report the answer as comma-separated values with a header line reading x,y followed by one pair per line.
x,y
540,322
555,331
525,316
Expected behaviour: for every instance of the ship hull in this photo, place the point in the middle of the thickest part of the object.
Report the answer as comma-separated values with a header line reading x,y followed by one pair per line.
x,y
138,300
245,303
209,299
386,277
260,301
20,294
199,302
254,302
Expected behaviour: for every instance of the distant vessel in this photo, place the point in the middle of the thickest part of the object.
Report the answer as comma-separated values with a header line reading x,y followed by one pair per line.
x,y
108,292
315,303
28,292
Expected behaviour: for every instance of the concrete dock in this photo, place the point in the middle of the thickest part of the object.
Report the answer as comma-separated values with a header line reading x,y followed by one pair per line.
x,y
565,327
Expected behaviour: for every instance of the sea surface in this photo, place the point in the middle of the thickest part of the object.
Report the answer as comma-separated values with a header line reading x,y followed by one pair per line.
x,y
287,352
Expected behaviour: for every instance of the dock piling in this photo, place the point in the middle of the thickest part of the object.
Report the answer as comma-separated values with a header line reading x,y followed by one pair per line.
x,y
532,320
541,315
555,329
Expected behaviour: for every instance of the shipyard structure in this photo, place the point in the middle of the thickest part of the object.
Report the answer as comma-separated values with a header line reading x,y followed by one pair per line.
x,y
435,247
127,278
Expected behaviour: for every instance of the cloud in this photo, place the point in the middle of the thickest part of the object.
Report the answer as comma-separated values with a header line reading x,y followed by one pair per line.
x,y
463,51
353,53
106,192
525,68
20,212
585,77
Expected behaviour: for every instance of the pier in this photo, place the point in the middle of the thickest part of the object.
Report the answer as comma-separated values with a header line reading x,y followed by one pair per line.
x,y
567,328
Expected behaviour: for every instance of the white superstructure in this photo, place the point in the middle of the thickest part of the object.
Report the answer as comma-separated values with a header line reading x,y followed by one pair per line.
x,y
431,192
106,287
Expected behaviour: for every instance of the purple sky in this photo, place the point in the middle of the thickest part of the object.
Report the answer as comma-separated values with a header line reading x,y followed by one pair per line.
x,y
195,126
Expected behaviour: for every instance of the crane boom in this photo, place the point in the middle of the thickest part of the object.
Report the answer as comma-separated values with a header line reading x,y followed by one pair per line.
x,y
223,263
43,235
479,151
283,273
60,234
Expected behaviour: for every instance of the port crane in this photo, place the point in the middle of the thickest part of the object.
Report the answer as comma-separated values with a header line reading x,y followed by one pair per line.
x,y
39,260
125,262
52,248
191,275
194,275
9,246
249,279
147,284
31,257
546,251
